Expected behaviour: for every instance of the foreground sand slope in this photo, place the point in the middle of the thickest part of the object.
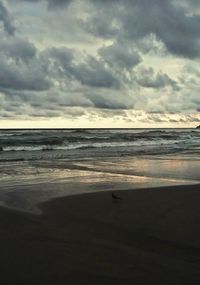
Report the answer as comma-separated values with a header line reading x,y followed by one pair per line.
x,y
149,237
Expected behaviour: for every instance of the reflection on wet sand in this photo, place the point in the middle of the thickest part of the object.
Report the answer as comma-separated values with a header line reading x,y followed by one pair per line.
x,y
32,183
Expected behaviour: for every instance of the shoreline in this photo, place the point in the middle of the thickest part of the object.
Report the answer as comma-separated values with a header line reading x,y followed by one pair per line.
x,y
151,236
177,187
29,198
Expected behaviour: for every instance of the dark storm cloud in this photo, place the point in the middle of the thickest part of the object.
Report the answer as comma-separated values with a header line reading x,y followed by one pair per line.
x,y
52,3
178,31
6,20
18,48
94,73
91,72
135,19
71,64
120,55
63,55
20,68
24,68
28,76
58,61
22,77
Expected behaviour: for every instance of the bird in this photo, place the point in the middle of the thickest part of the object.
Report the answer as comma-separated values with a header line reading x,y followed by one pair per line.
x,y
115,198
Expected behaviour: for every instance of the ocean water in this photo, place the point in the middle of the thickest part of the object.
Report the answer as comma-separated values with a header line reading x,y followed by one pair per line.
x,y
36,165
76,143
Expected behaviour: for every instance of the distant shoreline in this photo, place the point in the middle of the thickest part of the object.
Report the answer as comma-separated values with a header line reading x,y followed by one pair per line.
x,y
48,129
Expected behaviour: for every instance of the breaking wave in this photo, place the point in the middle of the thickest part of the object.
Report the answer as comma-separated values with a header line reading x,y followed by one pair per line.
x,y
63,143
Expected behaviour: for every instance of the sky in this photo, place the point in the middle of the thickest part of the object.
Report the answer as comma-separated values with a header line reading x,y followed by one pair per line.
x,y
98,63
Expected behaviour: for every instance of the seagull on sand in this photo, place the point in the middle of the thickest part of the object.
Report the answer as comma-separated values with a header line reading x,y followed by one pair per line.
x,y
115,198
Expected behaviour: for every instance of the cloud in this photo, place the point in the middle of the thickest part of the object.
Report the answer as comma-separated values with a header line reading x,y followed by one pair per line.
x,y
17,48
101,57
22,77
134,19
147,77
89,71
120,55
94,73
6,20
20,68
110,100
58,61
52,3
57,78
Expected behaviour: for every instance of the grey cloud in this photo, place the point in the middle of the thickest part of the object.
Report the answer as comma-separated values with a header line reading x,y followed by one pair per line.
x,y
58,61
188,5
94,73
59,77
194,2
91,72
63,54
25,74
120,55
104,21
19,49
178,31
40,104
134,19
23,68
56,79
109,100
24,77
101,24
6,20
52,3
148,78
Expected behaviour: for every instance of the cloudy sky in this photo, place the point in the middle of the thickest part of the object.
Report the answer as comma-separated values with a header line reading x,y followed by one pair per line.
x,y
98,63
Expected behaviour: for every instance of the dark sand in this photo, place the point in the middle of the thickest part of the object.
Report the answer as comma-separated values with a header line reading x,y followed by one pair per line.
x,y
150,237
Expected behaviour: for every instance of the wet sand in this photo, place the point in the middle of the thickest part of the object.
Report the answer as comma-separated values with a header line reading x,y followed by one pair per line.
x,y
151,236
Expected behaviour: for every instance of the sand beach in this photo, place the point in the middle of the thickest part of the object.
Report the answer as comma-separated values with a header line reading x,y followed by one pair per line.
x,y
151,236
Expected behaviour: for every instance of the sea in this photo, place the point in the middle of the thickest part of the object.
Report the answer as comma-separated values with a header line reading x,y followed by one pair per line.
x,y
39,164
